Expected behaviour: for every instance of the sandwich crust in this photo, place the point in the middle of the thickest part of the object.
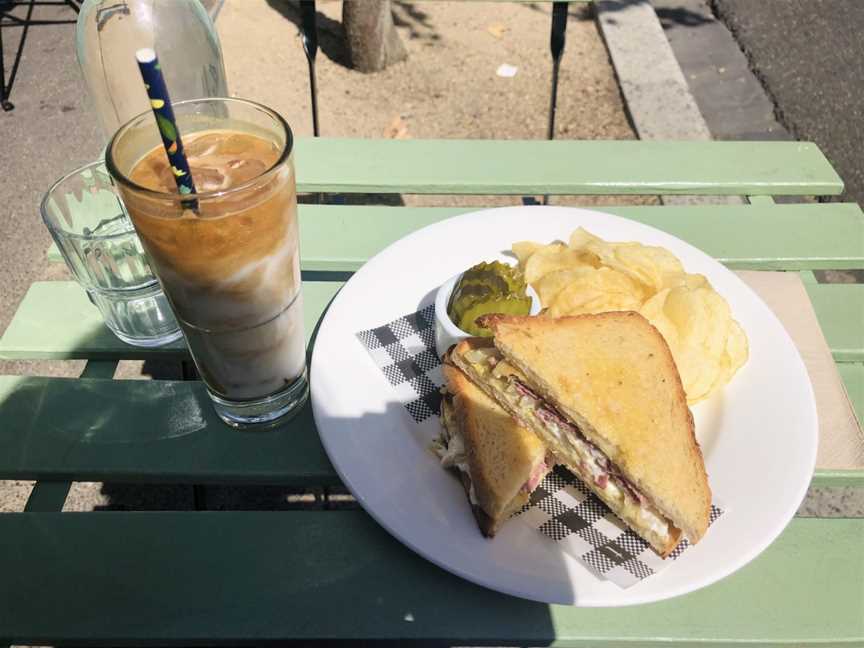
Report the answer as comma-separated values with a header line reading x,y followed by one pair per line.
x,y
613,375
501,454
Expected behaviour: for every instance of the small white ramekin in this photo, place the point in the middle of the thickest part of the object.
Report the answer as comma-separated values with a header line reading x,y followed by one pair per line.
x,y
446,332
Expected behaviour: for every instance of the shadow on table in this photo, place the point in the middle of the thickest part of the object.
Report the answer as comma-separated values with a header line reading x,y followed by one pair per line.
x,y
221,497
114,427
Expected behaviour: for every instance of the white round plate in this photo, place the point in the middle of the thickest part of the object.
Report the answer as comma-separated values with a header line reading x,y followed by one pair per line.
x,y
758,434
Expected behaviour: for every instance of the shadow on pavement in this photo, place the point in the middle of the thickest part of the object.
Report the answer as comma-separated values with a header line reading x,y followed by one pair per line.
x,y
331,39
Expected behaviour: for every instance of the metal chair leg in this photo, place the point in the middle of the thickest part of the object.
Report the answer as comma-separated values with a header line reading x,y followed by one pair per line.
x,y
556,46
7,87
309,35
4,90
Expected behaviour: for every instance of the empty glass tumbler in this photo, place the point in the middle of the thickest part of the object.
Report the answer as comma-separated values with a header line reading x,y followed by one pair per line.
x,y
88,222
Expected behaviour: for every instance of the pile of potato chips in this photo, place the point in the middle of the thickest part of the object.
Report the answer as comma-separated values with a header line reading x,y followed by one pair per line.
x,y
589,275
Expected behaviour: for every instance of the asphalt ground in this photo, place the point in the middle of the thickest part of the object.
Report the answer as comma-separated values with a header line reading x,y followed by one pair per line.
x,y
809,55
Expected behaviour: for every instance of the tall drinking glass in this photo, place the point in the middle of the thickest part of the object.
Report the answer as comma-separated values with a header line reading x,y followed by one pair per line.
x,y
93,233
228,260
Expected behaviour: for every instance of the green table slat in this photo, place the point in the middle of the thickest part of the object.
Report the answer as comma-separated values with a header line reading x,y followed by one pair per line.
x,y
838,478
56,320
784,237
563,167
790,237
853,377
219,577
840,308
146,431
68,429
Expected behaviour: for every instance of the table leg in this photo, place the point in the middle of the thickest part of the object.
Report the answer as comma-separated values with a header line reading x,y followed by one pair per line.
x,y
199,497
47,496
187,370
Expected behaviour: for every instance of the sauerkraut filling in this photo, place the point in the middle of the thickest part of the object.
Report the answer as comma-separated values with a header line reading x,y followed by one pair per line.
x,y
449,446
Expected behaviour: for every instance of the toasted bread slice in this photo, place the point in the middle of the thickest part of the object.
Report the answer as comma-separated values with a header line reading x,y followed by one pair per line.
x,y
612,374
658,532
501,455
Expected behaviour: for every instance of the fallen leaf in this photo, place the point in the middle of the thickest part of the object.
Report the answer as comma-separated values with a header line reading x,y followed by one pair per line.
x,y
397,129
497,29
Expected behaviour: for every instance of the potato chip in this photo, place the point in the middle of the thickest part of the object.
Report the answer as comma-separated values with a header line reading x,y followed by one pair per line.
x,y
550,259
597,290
652,310
696,281
552,283
695,324
524,249
590,275
734,357
737,348
655,267
581,237
577,300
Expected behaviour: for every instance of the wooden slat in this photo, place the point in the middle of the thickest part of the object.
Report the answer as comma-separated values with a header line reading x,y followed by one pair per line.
x,y
50,432
779,237
237,577
56,320
840,308
153,431
837,479
788,237
563,167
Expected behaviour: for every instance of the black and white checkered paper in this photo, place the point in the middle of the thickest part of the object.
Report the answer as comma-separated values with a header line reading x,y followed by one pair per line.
x,y
561,508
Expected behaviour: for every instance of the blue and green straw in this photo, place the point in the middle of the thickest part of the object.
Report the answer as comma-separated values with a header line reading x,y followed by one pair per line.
x,y
160,102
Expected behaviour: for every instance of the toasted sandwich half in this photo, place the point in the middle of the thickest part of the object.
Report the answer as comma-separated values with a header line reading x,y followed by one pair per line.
x,y
603,393
500,461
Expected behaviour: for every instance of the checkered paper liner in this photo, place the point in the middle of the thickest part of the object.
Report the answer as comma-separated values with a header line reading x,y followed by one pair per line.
x,y
562,508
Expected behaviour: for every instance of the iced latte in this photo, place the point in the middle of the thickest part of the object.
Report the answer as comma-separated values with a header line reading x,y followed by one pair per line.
x,y
229,262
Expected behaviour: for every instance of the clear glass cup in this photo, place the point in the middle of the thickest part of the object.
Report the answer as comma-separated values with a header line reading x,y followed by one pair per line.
x,y
229,262
87,220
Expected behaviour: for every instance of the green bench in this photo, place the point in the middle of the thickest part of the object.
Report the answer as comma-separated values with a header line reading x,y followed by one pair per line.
x,y
205,577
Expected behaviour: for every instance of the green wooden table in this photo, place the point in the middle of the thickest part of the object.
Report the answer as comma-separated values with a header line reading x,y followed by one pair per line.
x,y
207,577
